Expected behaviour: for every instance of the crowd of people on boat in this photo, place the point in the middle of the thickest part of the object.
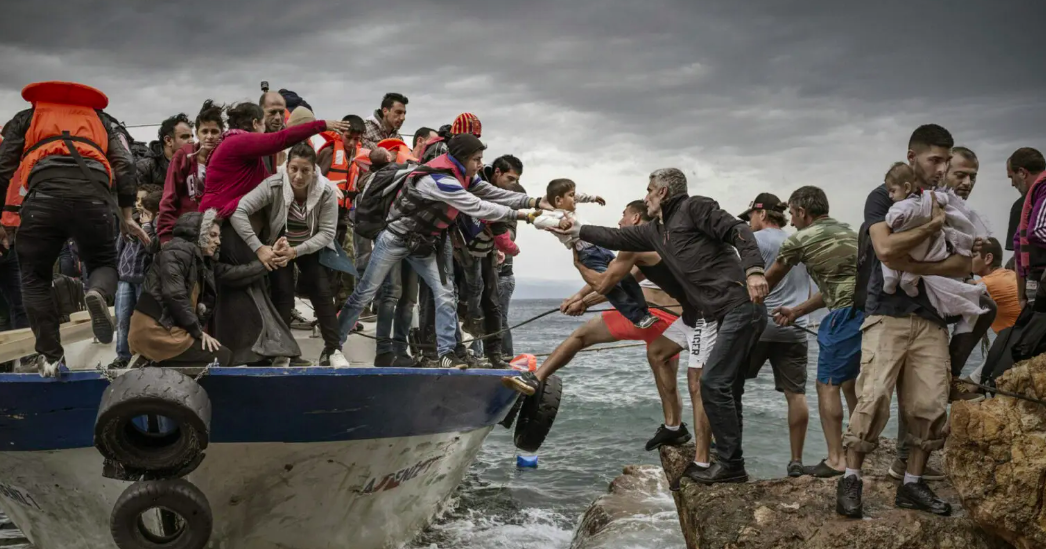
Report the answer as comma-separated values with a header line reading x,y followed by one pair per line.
x,y
203,245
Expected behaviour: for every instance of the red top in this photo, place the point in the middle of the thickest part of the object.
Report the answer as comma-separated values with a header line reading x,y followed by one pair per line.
x,y
236,167
176,197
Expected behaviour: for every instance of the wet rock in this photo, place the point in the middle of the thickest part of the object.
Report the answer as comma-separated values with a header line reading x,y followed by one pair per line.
x,y
800,513
996,457
634,500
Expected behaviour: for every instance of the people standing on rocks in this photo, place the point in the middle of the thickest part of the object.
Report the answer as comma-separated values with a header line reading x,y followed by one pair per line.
x,y
784,347
1027,170
76,181
660,289
1001,284
904,341
728,289
828,250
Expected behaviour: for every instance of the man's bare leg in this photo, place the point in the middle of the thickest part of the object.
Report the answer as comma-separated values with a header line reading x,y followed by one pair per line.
x,y
798,420
702,429
850,393
662,355
588,334
830,407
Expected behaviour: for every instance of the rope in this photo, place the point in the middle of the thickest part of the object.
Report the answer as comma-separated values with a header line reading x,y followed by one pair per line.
x,y
1003,393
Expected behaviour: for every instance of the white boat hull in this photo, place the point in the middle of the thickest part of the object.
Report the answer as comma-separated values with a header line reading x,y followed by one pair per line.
x,y
363,494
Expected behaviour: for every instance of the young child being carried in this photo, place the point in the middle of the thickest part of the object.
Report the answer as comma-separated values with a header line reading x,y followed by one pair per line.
x,y
912,208
627,295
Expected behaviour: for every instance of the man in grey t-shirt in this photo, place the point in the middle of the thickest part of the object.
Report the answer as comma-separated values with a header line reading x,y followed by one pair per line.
x,y
784,347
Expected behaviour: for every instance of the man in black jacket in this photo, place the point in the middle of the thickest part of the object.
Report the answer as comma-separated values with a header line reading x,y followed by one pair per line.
x,y
697,240
174,133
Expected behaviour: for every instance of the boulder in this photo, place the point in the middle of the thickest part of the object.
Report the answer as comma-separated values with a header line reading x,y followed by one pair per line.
x,y
627,512
996,457
800,513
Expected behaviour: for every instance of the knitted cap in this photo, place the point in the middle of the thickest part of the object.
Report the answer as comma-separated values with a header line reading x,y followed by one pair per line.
x,y
467,122
461,147
300,115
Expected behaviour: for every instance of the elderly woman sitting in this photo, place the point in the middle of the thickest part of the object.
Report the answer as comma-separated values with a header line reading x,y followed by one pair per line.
x,y
179,294
300,217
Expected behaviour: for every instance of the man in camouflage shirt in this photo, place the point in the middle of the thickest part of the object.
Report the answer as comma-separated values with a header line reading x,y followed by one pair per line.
x,y
828,249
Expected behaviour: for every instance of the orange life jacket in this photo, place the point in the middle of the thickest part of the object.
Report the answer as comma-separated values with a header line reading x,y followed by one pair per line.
x,y
344,170
404,153
65,122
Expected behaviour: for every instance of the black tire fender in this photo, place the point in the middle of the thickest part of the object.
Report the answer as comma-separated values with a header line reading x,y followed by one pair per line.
x,y
177,496
537,415
153,391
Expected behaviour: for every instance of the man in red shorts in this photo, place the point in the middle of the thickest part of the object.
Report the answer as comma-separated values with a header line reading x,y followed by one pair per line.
x,y
663,338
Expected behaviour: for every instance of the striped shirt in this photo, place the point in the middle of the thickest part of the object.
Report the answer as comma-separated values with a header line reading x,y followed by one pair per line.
x,y
297,226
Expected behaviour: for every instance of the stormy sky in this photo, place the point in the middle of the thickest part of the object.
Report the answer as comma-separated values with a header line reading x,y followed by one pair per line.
x,y
764,95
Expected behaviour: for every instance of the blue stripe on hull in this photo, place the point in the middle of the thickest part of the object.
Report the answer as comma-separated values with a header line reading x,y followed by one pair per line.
x,y
271,405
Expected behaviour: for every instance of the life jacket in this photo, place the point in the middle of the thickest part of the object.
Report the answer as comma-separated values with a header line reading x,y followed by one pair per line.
x,y
65,122
404,154
344,170
424,216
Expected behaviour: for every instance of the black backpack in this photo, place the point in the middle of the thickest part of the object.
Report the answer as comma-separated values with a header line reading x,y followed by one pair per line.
x,y
68,295
375,200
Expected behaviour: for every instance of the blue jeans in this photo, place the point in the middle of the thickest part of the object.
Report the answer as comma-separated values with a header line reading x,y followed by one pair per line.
x,y
390,250
506,286
396,302
626,296
127,295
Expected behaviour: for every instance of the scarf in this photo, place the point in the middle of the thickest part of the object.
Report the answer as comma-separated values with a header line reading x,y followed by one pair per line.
x,y
1023,254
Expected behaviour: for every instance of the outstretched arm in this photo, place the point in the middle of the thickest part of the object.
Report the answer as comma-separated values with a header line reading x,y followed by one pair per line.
x,y
629,239
777,273
617,270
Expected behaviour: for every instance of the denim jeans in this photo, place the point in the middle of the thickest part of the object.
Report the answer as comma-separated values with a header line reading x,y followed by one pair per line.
x,y
11,290
127,294
506,285
389,250
396,300
626,296
722,380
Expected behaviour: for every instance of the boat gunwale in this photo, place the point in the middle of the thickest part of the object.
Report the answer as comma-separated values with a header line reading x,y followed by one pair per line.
x,y
251,371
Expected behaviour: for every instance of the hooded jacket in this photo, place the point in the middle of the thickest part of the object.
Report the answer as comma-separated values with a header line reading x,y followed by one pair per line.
x,y
182,189
273,197
152,170
179,267
696,241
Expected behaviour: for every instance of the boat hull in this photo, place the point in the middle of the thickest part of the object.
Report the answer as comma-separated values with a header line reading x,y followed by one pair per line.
x,y
300,458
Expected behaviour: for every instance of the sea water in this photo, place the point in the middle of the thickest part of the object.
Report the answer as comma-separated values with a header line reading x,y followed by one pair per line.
x,y
610,408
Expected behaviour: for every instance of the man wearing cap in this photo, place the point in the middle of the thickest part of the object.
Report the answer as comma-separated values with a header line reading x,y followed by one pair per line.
x,y
428,203
784,346
465,122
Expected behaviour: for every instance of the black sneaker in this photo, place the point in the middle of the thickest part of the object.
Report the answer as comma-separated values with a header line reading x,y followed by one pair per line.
x,y
919,496
118,364
526,383
496,362
646,322
101,320
899,467
719,473
848,497
384,360
451,361
664,437
795,468
403,361
823,470
691,470
299,362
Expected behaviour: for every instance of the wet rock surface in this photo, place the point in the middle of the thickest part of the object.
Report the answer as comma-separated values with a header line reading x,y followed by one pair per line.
x,y
996,457
636,496
800,513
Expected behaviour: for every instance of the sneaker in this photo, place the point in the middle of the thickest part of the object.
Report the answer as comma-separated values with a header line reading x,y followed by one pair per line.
x,y
795,468
403,361
496,362
333,359
384,360
47,368
526,383
823,470
719,473
691,470
119,364
299,322
664,437
451,361
646,322
919,496
101,319
899,467
848,497
299,362
281,362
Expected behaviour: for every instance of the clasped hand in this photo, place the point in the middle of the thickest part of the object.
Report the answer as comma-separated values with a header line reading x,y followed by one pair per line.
x,y
277,255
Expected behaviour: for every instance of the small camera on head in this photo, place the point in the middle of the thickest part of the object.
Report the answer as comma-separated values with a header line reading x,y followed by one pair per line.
x,y
264,86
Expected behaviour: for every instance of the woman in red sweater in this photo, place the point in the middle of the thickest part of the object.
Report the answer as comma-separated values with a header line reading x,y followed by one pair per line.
x,y
245,319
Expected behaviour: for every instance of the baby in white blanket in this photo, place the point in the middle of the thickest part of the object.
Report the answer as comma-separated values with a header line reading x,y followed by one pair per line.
x,y
913,208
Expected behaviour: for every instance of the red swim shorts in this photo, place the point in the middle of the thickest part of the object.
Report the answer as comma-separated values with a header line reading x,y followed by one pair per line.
x,y
623,330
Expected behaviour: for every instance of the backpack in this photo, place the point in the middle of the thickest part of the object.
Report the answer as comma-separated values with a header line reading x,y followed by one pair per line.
x,y
68,294
375,200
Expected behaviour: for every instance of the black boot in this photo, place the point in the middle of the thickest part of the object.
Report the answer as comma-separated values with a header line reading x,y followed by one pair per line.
x,y
496,362
384,360
848,497
919,496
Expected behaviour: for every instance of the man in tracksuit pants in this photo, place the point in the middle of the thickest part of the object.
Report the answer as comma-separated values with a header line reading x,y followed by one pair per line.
x,y
696,240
